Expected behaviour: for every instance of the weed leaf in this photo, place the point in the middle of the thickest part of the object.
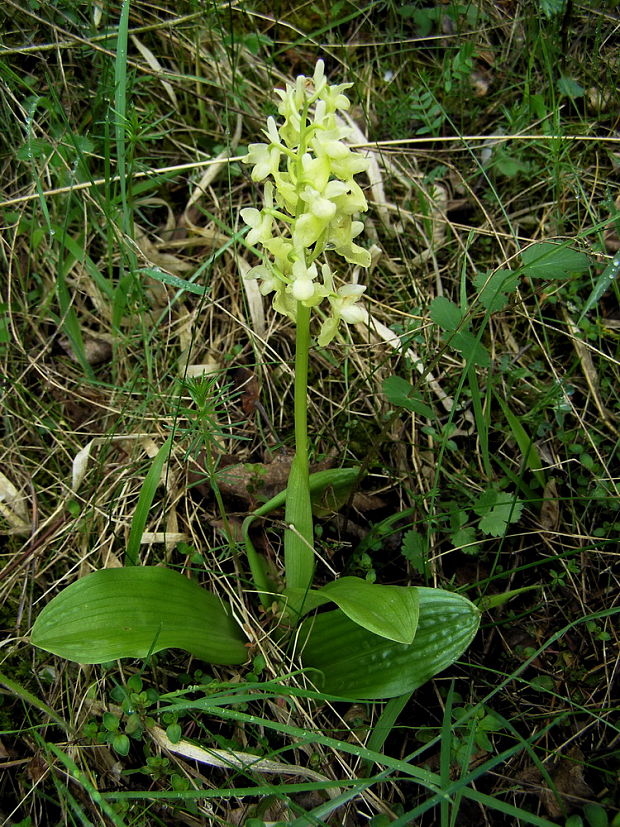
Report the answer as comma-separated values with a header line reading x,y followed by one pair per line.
x,y
553,261
401,393
497,509
414,549
493,288
445,313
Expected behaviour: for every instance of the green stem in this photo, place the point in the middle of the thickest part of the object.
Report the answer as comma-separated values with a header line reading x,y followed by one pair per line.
x,y
302,352
298,540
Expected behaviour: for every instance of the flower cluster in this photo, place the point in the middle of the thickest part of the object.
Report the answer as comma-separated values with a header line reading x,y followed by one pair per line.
x,y
310,200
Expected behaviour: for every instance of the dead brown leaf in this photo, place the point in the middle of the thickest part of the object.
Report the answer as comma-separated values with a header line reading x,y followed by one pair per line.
x,y
568,780
550,508
96,351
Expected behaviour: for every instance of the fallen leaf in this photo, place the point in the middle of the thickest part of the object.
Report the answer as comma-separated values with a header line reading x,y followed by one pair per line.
x,y
550,508
246,383
568,780
152,61
96,351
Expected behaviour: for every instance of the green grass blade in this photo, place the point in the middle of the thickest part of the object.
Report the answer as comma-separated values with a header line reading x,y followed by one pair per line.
x,y
145,500
69,319
305,736
445,754
83,781
385,725
530,454
481,418
603,283
120,111
26,695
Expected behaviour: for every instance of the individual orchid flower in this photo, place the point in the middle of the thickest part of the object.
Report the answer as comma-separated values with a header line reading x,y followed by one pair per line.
x,y
265,157
343,307
267,278
340,239
260,221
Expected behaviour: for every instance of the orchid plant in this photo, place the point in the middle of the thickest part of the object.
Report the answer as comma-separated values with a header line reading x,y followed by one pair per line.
x,y
380,641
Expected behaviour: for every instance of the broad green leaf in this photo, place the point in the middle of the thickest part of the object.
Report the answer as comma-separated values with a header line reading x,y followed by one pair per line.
x,y
401,393
388,611
355,663
553,261
134,612
445,313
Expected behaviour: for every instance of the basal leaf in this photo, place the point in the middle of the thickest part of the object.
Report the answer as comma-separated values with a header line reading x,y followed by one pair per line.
x,y
132,612
355,663
388,611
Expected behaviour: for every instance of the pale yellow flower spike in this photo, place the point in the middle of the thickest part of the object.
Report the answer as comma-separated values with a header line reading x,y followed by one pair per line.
x,y
310,199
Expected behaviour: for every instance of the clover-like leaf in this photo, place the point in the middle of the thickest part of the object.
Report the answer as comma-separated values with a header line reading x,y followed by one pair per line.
x,y
553,261
497,510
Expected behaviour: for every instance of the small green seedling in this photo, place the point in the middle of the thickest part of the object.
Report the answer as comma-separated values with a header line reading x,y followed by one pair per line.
x,y
381,641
